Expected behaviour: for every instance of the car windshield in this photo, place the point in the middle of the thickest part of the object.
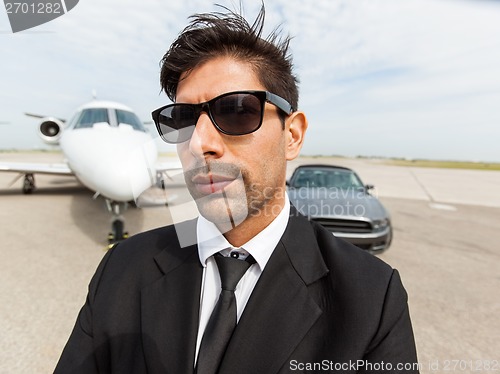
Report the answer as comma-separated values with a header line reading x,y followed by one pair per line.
x,y
326,178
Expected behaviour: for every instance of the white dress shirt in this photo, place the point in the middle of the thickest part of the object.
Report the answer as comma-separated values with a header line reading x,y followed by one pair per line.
x,y
211,241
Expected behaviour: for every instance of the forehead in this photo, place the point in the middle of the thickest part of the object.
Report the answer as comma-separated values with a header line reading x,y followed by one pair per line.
x,y
215,77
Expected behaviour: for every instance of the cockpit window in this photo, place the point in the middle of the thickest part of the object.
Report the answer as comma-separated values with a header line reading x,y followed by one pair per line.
x,y
129,118
90,116
74,119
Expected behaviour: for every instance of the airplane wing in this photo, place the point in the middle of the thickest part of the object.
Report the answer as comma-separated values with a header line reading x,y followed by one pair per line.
x,y
36,168
168,166
168,169
157,195
63,169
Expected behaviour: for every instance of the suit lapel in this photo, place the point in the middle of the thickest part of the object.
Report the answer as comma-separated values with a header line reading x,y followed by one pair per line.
x,y
281,310
170,311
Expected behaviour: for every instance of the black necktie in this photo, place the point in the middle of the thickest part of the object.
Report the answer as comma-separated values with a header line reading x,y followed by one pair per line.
x,y
223,318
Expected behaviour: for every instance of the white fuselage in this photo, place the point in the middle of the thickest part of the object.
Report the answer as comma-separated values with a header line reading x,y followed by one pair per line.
x,y
117,161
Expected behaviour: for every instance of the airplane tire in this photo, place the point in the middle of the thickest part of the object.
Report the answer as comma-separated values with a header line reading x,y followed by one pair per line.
x,y
28,184
117,228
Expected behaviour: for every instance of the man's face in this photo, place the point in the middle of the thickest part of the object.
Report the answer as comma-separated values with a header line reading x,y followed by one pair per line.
x,y
232,178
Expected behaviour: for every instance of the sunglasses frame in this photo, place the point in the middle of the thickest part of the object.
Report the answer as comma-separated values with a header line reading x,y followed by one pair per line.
x,y
263,96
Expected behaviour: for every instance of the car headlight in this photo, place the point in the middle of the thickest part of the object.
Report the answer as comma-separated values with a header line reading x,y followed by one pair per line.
x,y
380,224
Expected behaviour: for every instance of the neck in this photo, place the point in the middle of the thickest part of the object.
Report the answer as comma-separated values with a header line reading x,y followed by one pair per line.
x,y
254,223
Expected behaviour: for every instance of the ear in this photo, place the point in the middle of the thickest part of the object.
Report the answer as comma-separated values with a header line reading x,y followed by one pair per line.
x,y
295,130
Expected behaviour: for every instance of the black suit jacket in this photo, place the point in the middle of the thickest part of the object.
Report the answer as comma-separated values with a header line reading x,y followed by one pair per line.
x,y
320,303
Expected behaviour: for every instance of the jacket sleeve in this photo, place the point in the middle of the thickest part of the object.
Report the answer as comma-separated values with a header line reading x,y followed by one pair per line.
x,y
393,347
78,354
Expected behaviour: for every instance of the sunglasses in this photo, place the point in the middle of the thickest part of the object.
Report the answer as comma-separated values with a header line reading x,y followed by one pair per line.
x,y
232,113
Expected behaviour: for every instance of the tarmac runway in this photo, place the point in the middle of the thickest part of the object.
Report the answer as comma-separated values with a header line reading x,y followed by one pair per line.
x,y
446,247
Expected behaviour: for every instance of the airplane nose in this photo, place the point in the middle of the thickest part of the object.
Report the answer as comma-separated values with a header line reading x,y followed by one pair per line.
x,y
127,173
118,163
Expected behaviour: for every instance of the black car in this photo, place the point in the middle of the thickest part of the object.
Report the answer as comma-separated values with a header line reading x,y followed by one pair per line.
x,y
336,198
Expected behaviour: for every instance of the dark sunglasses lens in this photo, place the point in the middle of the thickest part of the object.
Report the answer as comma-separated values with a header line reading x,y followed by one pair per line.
x,y
177,122
237,114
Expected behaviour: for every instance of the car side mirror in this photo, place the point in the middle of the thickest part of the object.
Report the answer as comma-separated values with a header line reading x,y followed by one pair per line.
x,y
369,187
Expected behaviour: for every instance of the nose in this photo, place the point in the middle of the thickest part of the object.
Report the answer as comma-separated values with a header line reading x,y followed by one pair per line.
x,y
206,141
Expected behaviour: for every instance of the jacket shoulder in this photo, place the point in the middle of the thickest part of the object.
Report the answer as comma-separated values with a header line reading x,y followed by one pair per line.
x,y
354,276
149,243
132,263
345,257
313,241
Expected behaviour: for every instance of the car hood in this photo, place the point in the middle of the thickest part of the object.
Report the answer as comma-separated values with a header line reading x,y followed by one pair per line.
x,y
334,202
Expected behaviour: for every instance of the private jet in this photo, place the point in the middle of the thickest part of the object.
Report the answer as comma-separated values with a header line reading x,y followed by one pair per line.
x,y
107,148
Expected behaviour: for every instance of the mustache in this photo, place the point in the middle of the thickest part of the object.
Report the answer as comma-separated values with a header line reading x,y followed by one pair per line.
x,y
215,168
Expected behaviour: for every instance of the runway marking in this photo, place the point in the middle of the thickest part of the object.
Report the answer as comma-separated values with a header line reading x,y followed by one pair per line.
x,y
450,208
421,186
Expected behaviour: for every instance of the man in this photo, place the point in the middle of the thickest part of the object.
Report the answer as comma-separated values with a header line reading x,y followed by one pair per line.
x,y
308,301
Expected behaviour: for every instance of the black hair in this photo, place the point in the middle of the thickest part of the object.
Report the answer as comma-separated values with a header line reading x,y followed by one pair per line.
x,y
211,35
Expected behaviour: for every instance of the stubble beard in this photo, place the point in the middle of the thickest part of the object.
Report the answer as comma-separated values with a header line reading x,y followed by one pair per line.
x,y
226,208
234,205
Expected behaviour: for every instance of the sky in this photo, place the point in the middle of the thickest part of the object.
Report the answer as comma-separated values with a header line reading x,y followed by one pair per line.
x,y
415,79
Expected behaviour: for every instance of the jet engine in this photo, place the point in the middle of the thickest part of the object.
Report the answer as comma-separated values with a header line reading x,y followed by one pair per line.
x,y
50,130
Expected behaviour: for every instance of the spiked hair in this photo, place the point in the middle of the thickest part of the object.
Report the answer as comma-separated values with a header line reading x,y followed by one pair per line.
x,y
212,35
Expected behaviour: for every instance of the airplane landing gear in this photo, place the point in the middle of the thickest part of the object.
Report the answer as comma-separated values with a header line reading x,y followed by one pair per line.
x,y
117,233
28,183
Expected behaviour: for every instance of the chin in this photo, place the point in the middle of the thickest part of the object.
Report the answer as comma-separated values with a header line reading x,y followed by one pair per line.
x,y
226,214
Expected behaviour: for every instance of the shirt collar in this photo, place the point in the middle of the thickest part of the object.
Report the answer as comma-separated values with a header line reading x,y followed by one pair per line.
x,y
261,246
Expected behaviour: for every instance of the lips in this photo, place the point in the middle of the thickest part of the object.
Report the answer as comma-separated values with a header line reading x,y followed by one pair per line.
x,y
211,177
211,183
